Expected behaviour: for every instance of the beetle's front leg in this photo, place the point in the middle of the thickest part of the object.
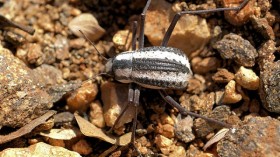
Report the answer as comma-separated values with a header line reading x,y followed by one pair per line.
x,y
136,105
129,102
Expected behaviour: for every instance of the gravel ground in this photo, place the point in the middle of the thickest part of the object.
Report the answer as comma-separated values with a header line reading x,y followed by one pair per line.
x,y
56,73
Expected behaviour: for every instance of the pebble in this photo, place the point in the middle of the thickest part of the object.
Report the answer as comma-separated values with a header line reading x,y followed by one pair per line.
x,y
196,84
39,149
270,86
271,18
235,48
82,147
166,130
222,76
63,117
164,144
21,54
122,40
50,57
34,54
202,103
96,114
259,136
247,78
262,26
205,65
264,5
78,43
219,95
45,23
231,96
49,124
241,17
202,128
178,151
166,119
82,97
196,152
190,28
142,144
266,54
58,91
49,75
269,77
14,38
183,129
88,24
61,48
114,97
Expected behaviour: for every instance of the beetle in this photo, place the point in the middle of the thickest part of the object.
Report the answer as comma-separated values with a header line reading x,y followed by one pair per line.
x,y
152,67
157,67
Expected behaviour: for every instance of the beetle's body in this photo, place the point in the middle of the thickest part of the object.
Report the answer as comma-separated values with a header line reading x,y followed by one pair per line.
x,y
158,67
151,67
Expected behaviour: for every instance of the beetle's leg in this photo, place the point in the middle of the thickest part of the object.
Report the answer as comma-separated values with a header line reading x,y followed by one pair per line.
x,y
136,93
136,105
130,89
179,14
130,101
183,111
142,24
134,37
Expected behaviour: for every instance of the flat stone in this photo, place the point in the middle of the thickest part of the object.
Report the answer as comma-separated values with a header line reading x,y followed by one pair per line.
x,y
190,34
39,149
234,47
21,97
256,136
270,87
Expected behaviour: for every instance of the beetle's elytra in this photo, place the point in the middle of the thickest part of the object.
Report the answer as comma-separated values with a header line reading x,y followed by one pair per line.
x,y
151,67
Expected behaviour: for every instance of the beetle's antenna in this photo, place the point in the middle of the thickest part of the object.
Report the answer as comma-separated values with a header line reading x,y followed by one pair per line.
x,y
104,74
99,54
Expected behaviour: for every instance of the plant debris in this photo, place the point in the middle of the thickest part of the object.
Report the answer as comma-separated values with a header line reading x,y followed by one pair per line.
x,y
61,134
27,128
91,130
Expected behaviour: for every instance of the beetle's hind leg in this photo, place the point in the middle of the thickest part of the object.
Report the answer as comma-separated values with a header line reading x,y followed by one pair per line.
x,y
179,14
183,111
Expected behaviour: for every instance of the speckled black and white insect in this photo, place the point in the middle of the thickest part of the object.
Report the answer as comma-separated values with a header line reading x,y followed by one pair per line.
x,y
152,67
158,67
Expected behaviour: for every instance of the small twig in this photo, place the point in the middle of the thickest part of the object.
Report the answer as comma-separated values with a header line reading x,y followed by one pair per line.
x,y
27,128
4,22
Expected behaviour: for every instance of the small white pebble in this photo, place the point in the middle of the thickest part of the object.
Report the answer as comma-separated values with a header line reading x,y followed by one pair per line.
x,y
164,144
231,96
247,78
122,40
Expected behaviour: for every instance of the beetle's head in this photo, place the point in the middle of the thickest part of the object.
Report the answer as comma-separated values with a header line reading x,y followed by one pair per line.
x,y
108,67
